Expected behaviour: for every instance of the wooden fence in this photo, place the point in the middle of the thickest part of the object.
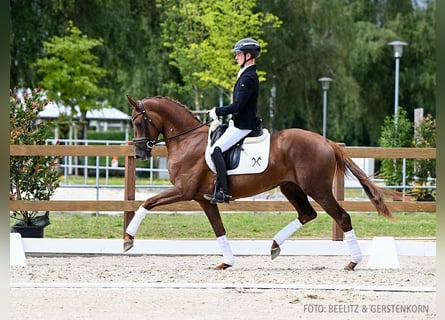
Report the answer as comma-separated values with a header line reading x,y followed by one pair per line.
x,y
128,205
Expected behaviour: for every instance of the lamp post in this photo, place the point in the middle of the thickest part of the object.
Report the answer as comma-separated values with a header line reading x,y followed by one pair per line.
x,y
398,50
325,87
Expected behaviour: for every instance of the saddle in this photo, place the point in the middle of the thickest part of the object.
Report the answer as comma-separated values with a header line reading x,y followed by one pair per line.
x,y
232,156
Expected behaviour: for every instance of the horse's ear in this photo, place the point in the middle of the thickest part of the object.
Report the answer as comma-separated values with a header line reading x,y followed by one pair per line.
x,y
131,101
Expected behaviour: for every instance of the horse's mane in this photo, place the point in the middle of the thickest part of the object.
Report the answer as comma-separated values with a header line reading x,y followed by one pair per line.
x,y
177,103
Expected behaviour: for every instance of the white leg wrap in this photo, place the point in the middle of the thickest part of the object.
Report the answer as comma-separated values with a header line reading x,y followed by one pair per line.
x,y
136,221
354,248
287,231
228,257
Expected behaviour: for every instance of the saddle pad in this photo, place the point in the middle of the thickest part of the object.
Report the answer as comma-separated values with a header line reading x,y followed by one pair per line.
x,y
254,156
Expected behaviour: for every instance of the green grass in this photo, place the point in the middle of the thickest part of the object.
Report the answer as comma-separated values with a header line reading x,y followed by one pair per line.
x,y
238,226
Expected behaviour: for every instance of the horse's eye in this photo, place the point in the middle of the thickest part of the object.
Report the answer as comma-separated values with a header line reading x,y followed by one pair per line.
x,y
138,124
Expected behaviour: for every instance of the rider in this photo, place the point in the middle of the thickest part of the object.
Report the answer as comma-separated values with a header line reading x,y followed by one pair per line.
x,y
243,110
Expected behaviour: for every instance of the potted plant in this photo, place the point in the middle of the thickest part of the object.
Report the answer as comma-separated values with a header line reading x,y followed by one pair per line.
x,y
30,177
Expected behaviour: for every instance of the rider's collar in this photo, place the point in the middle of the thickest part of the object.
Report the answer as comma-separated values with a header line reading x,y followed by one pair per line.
x,y
240,72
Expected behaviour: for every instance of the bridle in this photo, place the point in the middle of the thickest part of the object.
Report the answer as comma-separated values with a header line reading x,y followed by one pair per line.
x,y
150,143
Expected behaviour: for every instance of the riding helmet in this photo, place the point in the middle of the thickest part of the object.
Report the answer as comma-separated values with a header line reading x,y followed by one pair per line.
x,y
248,45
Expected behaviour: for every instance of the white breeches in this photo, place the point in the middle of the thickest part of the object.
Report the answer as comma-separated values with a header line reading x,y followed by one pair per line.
x,y
231,136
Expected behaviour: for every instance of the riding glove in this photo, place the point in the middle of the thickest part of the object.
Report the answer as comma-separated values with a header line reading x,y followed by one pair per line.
x,y
212,114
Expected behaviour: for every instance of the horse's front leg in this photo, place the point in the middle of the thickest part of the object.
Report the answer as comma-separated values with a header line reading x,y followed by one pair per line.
x,y
168,196
214,216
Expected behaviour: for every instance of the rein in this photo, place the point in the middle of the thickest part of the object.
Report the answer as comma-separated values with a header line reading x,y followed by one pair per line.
x,y
150,143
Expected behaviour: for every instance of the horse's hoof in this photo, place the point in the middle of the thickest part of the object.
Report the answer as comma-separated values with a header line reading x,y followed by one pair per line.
x,y
222,266
350,266
128,242
128,245
275,250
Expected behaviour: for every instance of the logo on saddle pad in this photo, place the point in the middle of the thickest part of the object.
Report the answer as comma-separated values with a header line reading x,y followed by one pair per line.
x,y
248,156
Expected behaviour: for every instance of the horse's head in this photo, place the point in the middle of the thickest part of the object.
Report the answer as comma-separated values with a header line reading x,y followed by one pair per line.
x,y
145,131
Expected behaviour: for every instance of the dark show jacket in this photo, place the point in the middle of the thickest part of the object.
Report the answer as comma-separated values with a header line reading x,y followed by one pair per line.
x,y
245,100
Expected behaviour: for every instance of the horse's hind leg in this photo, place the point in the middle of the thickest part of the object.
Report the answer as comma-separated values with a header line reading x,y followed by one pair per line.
x,y
343,219
306,213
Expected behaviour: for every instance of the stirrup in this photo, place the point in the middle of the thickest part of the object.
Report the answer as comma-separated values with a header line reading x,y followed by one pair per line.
x,y
218,197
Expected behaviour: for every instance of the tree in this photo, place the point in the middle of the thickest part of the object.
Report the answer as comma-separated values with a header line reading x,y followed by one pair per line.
x,y
200,35
345,40
372,62
70,71
397,132
313,42
425,169
418,69
132,51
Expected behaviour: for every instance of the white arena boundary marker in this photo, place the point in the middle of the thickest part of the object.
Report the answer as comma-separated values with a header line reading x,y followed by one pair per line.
x,y
186,285
16,252
33,246
383,254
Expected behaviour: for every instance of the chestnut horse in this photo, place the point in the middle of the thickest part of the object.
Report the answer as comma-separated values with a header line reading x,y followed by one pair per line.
x,y
301,163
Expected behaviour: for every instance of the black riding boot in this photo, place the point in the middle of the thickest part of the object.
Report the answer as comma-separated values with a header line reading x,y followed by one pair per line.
x,y
221,193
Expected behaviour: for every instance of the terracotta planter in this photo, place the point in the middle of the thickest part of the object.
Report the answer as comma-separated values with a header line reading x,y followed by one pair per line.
x,y
29,231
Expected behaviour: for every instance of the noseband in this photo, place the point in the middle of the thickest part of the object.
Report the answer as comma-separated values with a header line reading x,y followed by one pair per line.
x,y
150,143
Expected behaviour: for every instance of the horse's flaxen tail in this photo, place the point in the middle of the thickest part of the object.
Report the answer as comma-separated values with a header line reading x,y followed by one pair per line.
x,y
374,193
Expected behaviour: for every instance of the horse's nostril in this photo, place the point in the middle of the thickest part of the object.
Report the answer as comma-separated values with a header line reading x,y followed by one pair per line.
x,y
142,155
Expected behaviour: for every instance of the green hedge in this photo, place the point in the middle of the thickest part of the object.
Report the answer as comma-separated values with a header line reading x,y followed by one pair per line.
x,y
106,135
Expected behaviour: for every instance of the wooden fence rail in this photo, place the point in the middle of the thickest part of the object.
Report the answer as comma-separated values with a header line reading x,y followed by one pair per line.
x,y
128,205
160,151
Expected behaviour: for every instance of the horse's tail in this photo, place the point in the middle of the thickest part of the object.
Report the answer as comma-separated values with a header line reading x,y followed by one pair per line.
x,y
374,193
